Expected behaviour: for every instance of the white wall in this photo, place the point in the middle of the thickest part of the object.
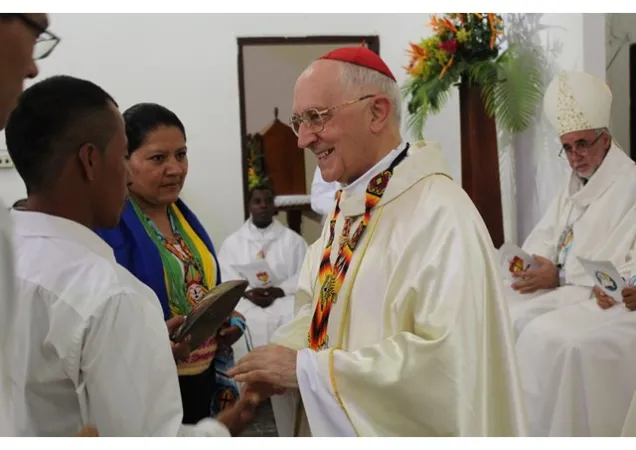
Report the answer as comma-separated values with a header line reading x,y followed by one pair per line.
x,y
188,62
620,33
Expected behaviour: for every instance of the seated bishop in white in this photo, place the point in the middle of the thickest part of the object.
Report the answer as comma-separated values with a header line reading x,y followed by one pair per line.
x,y
269,256
576,360
587,218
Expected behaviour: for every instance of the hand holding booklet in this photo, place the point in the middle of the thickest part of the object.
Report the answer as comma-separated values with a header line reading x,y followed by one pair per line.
x,y
211,312
605,276
514,260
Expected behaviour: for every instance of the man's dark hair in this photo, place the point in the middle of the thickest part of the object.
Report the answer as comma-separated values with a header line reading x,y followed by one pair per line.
x,y
144,118
259,187
53,120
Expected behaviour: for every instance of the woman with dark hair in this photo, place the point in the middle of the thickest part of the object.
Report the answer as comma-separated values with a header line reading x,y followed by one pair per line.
x,y
164,245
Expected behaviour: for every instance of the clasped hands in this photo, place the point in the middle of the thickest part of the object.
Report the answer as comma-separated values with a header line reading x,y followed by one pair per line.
x,y
266,371
264,297
545,276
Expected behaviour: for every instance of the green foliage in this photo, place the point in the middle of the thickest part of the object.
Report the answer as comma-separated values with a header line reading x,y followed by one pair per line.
x,y
511,82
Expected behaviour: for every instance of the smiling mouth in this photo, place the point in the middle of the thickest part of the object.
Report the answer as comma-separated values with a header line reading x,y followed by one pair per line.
x,y
324,154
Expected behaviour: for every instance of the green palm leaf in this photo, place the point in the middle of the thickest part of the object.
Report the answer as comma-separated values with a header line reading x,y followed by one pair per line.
x,y
518,92
427,97
512,87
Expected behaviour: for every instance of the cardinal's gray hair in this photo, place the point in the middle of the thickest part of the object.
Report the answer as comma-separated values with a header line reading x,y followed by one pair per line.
x,y
362,81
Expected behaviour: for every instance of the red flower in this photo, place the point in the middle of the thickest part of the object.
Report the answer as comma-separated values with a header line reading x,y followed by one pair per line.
x,y
449,46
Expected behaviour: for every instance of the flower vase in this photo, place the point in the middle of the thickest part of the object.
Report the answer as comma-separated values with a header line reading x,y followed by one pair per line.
x,y
480,159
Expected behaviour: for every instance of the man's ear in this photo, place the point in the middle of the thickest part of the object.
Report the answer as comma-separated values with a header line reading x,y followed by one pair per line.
x,y
89,156
380,112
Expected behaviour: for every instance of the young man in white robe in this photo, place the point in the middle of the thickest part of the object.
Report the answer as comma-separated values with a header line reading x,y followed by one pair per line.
x,y
575,359
401,326
89,345
269,256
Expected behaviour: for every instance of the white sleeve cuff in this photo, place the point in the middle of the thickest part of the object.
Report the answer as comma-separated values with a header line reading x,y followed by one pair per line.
x,y
204,428
324,414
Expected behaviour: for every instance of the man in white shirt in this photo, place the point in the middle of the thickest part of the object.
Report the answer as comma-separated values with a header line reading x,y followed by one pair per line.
x,y
90,345
21,43
269,256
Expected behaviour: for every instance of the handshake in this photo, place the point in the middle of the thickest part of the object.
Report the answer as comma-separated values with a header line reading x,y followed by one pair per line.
x,y
265,371
238,417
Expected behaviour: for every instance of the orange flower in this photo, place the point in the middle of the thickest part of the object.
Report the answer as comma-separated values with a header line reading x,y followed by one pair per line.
x,y
492,21
417,52
446,67
434,23
449,25
418,56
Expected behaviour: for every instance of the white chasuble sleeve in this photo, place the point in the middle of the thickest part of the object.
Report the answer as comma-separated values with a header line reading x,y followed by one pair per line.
x,y
543,238
325,416
297,249
294,334
445,365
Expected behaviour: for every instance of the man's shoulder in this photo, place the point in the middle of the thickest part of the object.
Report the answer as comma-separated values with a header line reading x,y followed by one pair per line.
x,y
433,202
440,192
72,273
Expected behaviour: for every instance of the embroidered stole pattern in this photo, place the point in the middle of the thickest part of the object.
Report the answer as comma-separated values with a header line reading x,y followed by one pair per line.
x,y
331,277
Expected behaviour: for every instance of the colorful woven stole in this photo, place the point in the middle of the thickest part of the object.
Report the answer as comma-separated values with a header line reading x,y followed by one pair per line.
x,y
332,278
189,273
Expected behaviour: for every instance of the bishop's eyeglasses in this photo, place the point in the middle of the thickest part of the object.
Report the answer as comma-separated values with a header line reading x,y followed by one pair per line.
x,y
314,119
581,147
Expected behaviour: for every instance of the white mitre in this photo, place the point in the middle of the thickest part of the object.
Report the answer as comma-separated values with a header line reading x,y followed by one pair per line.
x,y
577,101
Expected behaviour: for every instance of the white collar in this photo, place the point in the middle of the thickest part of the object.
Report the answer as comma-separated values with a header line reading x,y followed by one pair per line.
x,y
359,186
37,224
256,230
271,232
615,164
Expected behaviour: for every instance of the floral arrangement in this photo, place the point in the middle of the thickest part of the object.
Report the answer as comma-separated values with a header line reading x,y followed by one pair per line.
x,y
468,47
256,172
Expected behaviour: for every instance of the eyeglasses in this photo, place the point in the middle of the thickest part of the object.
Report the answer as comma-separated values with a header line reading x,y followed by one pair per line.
x,y
581,147
46,40
315,119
